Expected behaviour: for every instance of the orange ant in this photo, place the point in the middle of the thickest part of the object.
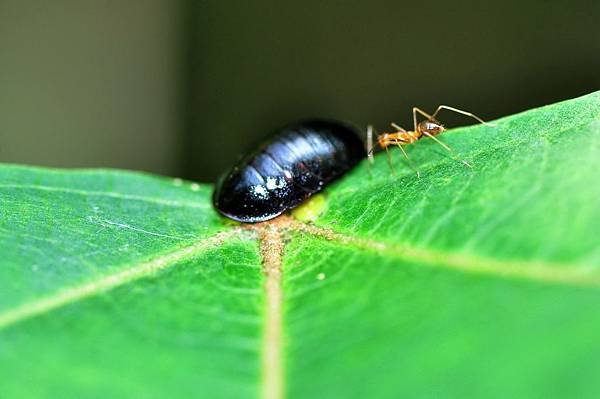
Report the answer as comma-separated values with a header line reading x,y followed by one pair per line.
x,y
430,127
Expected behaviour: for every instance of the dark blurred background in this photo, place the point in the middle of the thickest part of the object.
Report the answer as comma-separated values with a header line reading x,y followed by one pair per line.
x,y
181,88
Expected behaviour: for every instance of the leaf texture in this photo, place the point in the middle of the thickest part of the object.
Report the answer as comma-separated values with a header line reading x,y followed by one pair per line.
x,y
466,282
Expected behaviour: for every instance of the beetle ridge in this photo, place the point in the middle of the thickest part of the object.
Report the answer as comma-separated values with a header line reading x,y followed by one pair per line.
x,y
287,169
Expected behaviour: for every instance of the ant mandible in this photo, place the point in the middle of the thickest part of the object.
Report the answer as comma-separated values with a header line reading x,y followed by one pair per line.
x,y
430,127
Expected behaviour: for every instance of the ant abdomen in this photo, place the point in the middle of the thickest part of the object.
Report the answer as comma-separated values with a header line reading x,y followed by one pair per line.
x,y
430,127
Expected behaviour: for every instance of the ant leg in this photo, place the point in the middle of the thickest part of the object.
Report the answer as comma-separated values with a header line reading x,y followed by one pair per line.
x,y
446,147
438,141
408,160
459,111
425,114
398,128
389,158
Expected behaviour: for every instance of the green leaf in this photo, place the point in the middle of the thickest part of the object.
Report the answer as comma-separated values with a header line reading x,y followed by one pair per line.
x,y
467,282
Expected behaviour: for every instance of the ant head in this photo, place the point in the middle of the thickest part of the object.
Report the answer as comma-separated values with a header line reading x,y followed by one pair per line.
x,y
383,140
431,127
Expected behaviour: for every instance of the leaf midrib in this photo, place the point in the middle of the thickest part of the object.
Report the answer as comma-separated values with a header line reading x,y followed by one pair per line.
x,y
540,271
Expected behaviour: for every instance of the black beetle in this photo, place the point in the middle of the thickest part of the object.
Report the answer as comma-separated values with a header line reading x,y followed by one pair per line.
x,y
293,165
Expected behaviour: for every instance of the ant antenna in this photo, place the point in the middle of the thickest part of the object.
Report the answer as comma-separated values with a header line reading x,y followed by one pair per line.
x,y
370,144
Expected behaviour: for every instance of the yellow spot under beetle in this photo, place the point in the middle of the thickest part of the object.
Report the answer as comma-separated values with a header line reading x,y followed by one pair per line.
x,y
311,209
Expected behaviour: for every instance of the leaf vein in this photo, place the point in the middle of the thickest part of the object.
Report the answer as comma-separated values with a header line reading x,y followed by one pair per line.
x,y
135,272
542,271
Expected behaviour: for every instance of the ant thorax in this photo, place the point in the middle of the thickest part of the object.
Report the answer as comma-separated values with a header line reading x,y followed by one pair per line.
x,y
400,137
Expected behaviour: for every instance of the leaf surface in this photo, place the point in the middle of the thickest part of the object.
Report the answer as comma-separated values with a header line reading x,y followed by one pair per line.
x,y
479,281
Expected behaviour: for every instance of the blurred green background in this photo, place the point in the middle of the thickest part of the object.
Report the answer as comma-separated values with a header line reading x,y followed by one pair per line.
x,y
182,88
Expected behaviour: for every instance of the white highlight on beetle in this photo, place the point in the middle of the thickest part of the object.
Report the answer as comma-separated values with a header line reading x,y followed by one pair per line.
x,y
260,192
273,183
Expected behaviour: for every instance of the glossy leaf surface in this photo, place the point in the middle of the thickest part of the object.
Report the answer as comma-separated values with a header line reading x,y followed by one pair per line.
x,y
467,282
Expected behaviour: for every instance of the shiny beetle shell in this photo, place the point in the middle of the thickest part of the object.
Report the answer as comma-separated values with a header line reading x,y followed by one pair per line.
x,y
295,164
